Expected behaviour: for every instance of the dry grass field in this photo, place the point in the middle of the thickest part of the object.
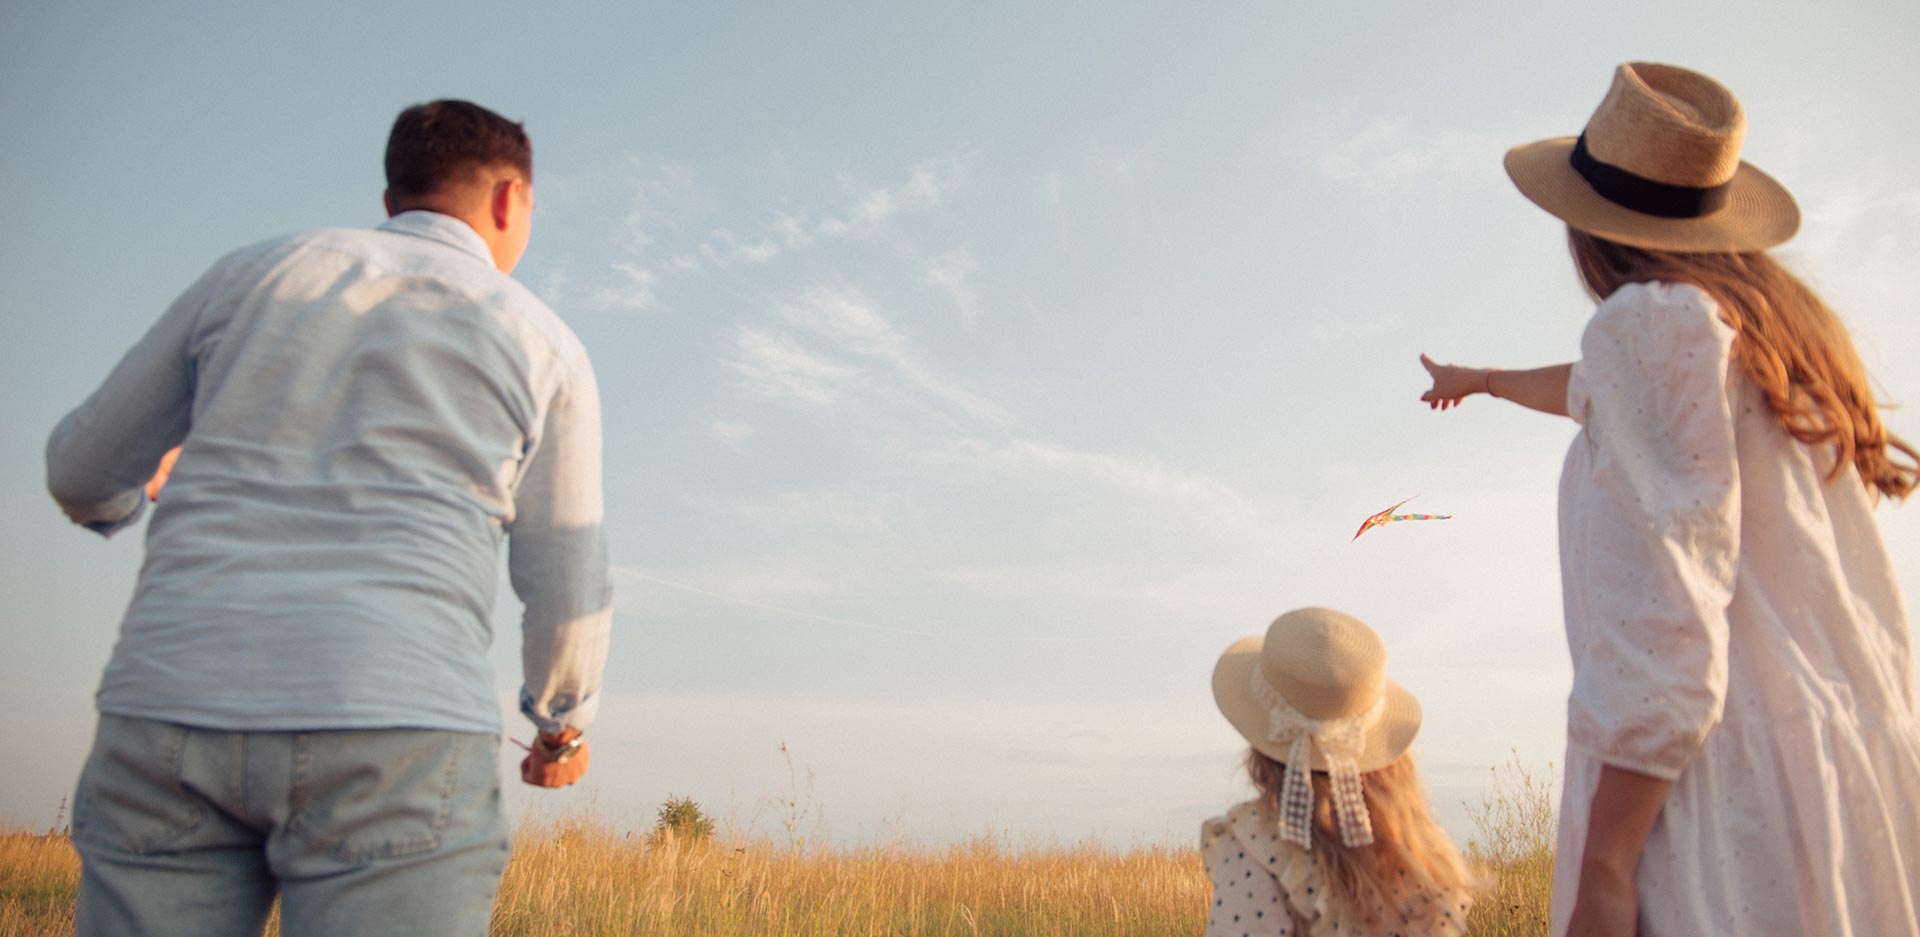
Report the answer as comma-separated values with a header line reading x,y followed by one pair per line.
x,y
579,878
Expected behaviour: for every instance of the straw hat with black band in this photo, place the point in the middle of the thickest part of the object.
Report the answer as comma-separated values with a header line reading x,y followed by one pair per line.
x,y
1313,694
1659,167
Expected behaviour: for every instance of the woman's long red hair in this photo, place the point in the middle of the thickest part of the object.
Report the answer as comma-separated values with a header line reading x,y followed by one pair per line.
x,y
1785,339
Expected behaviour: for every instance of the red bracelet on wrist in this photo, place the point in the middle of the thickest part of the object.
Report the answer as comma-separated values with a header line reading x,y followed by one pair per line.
x,y
558,748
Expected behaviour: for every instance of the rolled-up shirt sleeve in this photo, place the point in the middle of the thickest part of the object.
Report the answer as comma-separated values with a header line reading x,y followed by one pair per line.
x,y
1653,548
101,456
557,560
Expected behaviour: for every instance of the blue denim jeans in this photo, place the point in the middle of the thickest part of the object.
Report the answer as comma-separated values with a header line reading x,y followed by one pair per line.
x,y
184,830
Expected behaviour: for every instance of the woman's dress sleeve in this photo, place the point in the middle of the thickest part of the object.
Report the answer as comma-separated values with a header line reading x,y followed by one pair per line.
x,y
1651,542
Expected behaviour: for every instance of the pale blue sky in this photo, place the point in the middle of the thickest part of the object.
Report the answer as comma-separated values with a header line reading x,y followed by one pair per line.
x,y
973,374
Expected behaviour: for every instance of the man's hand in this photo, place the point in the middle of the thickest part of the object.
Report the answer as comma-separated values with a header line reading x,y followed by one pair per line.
x,y
555,760
161,474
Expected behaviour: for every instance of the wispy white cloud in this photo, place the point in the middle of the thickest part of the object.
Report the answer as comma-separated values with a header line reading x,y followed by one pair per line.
x,y
1859,237
1357,326
1127,176
659,202
1125,169
665,203
1859,226
822,568
633,288
836,353
1134,475
1395,155
723,248
851,325
1164,600
731,432
865,207
774,367
860,513
954,272
1052,189
791,230
833,347
850,322
556,287
869,205
1053,195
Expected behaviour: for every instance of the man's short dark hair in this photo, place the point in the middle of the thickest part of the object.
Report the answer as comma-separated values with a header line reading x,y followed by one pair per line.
x,y
450,141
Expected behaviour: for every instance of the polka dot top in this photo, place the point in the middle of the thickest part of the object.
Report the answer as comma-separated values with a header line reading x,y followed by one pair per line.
x,y
1264,886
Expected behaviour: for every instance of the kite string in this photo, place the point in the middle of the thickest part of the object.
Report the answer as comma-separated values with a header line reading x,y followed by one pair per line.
x,y
892,629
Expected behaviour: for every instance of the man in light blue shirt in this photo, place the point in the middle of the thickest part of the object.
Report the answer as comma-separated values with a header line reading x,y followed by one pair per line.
x,y
300,701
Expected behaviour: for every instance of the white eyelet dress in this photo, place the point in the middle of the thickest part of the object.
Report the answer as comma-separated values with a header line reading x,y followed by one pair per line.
x,y
1735,628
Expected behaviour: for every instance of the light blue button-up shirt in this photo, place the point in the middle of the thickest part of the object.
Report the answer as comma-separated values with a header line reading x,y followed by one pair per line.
x,y
365,415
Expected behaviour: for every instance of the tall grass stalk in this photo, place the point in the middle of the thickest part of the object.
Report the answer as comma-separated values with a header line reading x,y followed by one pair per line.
x,y
575,877
1513,841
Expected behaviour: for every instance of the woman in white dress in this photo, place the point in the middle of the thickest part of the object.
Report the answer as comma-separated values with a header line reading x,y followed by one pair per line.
x,y
1743,751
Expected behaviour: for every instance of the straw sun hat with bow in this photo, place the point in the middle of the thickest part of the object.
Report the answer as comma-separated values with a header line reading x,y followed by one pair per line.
x,y
1313,694
1659,167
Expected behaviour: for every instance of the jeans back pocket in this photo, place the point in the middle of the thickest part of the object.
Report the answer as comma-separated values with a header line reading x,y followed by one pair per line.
x,y
132,796
361,795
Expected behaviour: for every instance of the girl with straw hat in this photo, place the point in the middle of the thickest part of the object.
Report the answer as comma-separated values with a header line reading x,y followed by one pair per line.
x,y
1743,750
1339,840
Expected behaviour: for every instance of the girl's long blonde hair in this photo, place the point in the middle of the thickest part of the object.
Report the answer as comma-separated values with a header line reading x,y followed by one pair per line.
x,y
1411,872
1785,338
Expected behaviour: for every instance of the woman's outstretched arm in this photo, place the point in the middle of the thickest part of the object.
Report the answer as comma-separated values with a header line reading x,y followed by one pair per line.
x,y
1542,389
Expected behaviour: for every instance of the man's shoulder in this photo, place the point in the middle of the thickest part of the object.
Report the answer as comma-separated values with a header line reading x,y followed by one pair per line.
x,y
279,247
522,310
384,251
378,252
255,251
315,237
541,320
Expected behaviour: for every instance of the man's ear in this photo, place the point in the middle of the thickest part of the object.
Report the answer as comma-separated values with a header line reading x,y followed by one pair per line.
x,y
503,200
386,199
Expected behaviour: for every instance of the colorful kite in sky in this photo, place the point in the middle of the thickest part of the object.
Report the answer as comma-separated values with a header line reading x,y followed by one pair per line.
x,y
1387,516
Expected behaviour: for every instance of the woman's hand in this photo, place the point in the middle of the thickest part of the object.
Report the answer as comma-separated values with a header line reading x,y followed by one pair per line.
x,y
1606,906
1625,806
1451,383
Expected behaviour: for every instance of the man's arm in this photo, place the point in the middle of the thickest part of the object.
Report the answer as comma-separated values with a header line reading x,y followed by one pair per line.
x,y
103,454
557,559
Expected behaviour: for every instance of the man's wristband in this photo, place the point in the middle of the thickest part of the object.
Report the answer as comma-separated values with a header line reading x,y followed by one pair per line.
x,y
557,752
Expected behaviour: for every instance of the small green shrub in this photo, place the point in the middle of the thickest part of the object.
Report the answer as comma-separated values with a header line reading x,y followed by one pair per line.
x,y
682,819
